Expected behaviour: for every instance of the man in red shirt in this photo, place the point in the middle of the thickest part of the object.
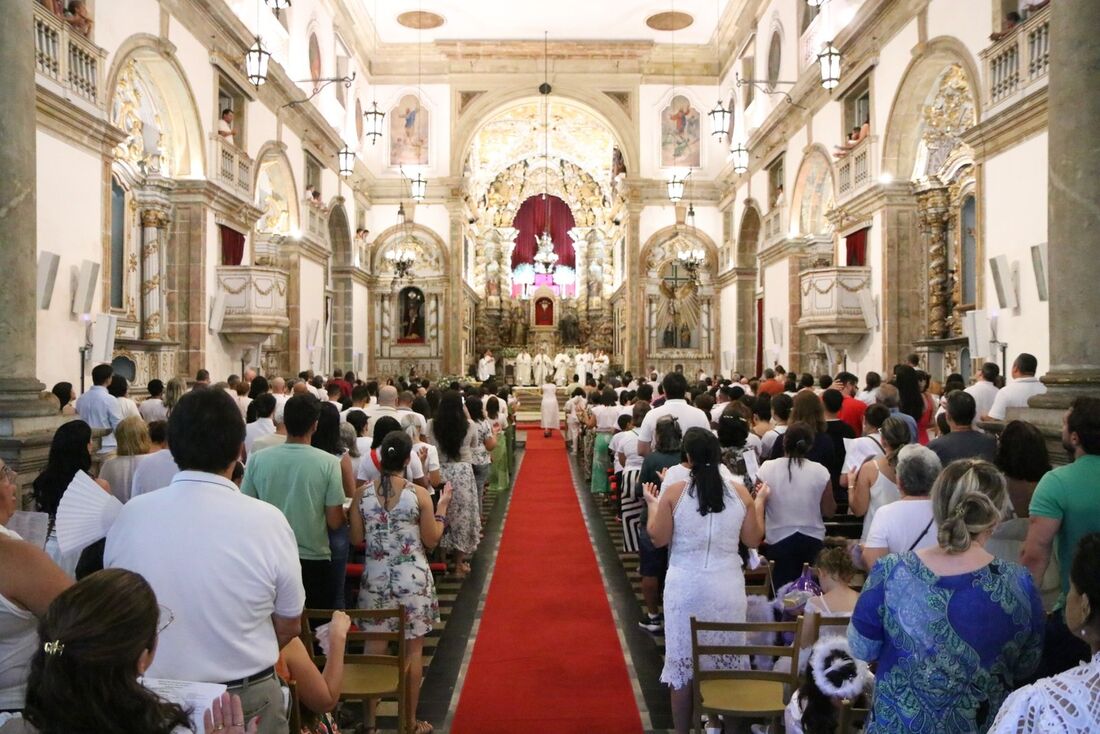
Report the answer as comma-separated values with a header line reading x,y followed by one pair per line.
x,y
851,412
770,385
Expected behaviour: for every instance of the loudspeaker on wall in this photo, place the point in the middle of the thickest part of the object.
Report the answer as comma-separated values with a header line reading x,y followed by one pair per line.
x,y
47,276
84,287
103,338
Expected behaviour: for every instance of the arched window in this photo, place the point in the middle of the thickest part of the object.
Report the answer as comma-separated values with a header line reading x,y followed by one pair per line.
x,y
118,243
968,255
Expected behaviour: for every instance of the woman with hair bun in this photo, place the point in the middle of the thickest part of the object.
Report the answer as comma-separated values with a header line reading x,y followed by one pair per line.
x,y
953,628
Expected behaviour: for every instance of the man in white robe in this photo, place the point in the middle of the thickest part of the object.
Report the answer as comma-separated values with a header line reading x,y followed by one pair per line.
x,y
542,368
562,364
523,368
600,364
584,366
486,366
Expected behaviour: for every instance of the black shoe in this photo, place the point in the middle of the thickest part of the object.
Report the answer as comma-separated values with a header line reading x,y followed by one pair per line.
x,y
653,624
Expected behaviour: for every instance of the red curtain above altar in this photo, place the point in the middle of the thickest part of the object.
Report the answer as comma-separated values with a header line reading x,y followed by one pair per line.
x,y
531,221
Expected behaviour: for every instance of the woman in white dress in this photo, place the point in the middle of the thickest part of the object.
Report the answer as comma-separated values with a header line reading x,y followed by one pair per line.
x,y
551,417
574,406
701,520
875,483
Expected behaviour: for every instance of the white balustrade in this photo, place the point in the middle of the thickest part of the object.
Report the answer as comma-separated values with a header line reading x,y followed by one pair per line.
x,y
1018,62
66,58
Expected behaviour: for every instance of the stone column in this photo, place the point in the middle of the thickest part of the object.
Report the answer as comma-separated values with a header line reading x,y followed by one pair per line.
x,y
27,415
932,212
154,225
507,247
1073,212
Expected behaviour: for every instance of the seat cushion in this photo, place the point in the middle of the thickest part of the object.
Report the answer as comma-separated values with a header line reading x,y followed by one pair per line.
x,y
367,679
752,696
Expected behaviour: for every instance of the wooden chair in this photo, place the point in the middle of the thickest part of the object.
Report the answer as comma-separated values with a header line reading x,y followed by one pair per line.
x,y
743,693
835,625
759,582
366,676
851,719
294,711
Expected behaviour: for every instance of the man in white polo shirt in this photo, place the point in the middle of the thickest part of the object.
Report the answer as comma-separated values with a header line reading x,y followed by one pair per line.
x,y
687,415
1016,393
225,566
99,409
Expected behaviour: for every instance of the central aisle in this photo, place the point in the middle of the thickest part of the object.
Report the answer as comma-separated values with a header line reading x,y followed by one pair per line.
x,y
547,657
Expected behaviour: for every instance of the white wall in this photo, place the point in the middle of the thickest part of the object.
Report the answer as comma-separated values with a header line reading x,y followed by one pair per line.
x,y
777,302
312,300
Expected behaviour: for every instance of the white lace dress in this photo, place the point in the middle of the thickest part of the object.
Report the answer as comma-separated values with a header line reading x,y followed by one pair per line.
x,y
1067,703
704,581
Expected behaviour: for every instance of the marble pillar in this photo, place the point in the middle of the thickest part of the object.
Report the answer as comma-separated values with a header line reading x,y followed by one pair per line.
x,y
932,211
1073,208
28,416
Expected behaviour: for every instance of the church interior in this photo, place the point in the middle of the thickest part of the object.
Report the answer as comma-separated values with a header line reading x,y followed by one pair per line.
x,y
544,205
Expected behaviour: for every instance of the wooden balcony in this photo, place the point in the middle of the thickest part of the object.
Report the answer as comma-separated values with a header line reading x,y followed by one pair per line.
x,y
1017,65
232,167
67,62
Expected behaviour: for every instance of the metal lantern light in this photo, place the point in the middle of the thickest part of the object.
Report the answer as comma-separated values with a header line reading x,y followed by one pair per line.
x,y
816,3
739,155
829,58
277,5
346,158
255,63
719,120
373,119
418,187
676,187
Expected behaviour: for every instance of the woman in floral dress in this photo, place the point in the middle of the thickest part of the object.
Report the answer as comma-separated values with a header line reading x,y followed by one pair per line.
x,y
395,518
456,436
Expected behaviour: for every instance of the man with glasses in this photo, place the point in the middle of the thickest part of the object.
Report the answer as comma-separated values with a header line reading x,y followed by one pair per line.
x,y
851,412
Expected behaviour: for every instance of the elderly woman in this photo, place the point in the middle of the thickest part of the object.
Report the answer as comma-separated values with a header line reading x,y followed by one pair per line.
x,y
952,628
133,443
907,524
1066,702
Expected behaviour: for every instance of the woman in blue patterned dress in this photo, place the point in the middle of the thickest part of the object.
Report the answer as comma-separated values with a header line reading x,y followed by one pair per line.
x,y
395,518
954,630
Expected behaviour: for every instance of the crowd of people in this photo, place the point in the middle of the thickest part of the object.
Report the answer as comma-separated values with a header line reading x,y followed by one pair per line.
x,y
960,555
966,563
240,506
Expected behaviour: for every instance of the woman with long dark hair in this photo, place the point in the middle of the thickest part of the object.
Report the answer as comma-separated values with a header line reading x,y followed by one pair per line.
x,y
396,519
327,438
70,452
792,502
875,483
66,396
910,399
455,436
701,520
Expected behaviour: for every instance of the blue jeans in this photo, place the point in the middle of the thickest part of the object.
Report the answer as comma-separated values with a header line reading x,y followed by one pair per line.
x,y
339,543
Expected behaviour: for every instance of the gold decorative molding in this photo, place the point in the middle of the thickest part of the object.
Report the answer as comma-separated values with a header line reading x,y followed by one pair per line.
x,y
1008,128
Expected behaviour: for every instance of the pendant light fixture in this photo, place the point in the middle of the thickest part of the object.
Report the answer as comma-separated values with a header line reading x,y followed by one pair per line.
x,y
418,185
346,159
829,59
816,3
739,156
277,5
257,58
676,179
546,259
373,118
719,116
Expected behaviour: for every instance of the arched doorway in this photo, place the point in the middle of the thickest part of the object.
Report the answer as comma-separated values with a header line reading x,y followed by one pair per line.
x,y
749,344
340,326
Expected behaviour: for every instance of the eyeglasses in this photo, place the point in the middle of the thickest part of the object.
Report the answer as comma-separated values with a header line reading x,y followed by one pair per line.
x,y
165,614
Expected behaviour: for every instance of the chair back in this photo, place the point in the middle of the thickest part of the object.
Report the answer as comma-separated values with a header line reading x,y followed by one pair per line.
x,y
294,712
759,582
851,719
820,626
699,650
354,651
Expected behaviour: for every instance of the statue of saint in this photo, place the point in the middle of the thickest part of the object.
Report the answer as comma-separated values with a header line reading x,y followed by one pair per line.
x,y
519,325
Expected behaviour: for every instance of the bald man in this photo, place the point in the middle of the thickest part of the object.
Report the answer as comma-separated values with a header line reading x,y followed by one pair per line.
x,y
278,389
387,405
302,388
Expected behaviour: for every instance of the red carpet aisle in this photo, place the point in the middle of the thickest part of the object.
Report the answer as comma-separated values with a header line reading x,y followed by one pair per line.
x,y
547,657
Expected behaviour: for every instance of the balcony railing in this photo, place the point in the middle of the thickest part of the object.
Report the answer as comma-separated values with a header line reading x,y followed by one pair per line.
x,y
232,167
315,221
773,225
1018,62
68,60
831,300
255,299
856,171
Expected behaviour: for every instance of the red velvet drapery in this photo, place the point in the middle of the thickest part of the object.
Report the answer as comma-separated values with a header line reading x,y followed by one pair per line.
x,y
856,246
232,245
531,221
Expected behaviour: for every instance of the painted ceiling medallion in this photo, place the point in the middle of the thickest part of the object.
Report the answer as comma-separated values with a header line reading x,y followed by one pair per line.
x,y
669,21
420,20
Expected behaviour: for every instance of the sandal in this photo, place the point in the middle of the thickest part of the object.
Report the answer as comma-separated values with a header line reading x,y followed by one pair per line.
x,y
423,727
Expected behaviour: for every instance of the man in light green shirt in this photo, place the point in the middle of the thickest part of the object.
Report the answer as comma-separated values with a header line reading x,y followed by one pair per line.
x,y
305,484
1064,508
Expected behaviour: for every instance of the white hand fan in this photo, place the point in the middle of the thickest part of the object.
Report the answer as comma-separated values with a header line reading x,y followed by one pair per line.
x,y
85,514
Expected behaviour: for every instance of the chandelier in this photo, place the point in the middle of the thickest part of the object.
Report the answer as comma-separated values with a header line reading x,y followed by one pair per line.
x,y
402,255
692,259
546,260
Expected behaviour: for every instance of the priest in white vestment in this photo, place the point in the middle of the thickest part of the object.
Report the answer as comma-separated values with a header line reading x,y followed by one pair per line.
x,y
523,368
600,365
584,366
562,364
542,368
486,366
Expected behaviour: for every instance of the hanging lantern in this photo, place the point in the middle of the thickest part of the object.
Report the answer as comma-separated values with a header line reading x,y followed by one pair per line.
x,y
373,118
255,63
277,5
829,58
739,156
418,187
816,3
676,187
719,120
346,158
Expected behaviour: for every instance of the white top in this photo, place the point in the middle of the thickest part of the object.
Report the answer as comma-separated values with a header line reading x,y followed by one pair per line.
x,y
368,472
486,368
153,410
1067,703
154,471
984,393
380,411
118,472
227,129
1015,395
257,429
882,493
680,473
280,406
266,442
687,415
717,410
794,505
128,408
767,442
626,442
409,417
607,417
100,409
18,642
898,525
223,563
432,463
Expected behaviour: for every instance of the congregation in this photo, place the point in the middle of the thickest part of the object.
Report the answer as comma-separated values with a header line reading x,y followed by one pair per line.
x,y
903,510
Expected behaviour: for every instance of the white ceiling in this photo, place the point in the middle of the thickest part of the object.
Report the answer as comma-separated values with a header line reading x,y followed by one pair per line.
x,y
616,20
